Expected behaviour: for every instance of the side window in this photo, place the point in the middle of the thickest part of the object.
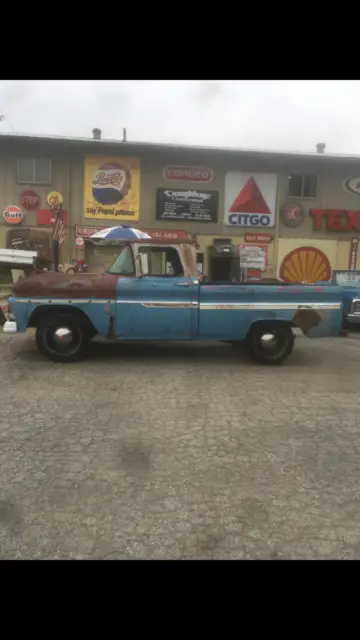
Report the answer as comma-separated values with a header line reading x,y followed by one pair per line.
x,y
163,261
124,263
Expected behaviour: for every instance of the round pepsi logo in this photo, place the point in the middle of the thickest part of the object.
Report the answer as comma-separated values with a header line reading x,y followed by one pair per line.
x,y
111,183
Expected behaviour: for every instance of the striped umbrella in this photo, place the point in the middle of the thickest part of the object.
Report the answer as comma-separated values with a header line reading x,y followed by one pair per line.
x,y
122,232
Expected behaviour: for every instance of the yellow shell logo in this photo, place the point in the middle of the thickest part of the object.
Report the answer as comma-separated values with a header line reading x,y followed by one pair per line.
x,y
305,264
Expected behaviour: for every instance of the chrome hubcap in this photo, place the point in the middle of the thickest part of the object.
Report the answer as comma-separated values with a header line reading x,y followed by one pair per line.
x,y
268,341
63,336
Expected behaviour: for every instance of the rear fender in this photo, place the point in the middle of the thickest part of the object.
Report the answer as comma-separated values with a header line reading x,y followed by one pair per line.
x,y
318,323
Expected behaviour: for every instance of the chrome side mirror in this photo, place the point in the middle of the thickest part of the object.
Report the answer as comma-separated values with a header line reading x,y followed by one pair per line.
x,y
139,264
142,261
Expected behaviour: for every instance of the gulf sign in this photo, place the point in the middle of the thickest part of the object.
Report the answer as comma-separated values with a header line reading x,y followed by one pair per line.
x,y
183,173
13,215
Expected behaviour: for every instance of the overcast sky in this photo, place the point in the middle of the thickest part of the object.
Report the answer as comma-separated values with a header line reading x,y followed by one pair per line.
x,y
289,115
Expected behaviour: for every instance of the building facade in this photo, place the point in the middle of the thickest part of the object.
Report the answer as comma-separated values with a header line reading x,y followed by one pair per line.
x,y
293,216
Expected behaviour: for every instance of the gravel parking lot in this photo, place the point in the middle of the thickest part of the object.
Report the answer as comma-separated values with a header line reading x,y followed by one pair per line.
x,y
180,452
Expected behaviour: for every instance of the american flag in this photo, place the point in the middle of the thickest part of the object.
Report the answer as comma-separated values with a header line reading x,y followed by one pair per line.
x,y
59,229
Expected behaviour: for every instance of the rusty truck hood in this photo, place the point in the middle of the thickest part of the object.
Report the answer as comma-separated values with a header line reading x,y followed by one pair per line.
x,y
54,284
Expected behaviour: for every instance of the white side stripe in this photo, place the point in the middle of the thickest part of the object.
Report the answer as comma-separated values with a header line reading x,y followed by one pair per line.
x,y
269,306
64,300
204,306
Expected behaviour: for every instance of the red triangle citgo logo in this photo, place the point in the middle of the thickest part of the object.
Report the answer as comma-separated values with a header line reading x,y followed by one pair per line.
x,y
250,200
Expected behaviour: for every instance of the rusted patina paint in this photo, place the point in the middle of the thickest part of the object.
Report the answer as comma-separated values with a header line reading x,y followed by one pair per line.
x,y
61,285
305,319
110,332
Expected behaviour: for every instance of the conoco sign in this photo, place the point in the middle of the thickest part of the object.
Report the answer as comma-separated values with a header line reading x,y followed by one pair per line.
x,y
336,219
29,200
180,173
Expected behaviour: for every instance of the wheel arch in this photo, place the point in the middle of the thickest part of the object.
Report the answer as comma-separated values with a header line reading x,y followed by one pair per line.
x,y
42,311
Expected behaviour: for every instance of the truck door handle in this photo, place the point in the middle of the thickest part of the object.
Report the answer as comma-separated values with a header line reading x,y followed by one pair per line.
x,y
182,284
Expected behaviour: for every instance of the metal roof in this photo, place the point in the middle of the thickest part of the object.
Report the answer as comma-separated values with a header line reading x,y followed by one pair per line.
x,y
160,146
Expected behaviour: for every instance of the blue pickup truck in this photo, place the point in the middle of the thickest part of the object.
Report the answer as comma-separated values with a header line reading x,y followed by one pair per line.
x,y
153,292
349,281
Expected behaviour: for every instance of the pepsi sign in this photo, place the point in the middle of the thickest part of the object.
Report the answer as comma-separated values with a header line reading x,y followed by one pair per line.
x,y
111,188
111,183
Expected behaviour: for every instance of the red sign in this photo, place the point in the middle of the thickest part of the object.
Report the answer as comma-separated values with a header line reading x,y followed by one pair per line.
x,y
353,253
162,235
29,200
86,232
254,273
13,215
179,173
258,237
336,219
44,216
166,235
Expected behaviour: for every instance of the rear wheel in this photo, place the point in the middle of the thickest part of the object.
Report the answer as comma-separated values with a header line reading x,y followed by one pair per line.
x,y
270,344
61,338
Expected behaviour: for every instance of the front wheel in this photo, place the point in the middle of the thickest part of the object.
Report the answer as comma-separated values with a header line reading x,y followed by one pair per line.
x,y
60,338
270,344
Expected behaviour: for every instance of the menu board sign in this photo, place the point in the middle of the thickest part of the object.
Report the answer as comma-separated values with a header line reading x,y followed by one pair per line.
x,y
181,204
253,256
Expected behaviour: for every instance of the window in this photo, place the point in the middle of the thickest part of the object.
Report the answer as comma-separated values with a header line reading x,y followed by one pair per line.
x,y
124,263
163,261
34,170
347,278
302,186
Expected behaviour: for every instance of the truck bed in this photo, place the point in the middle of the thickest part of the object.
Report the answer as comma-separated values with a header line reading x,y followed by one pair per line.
x,y
231,308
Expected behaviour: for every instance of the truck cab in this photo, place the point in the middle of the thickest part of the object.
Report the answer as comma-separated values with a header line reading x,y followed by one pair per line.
x,y
153,291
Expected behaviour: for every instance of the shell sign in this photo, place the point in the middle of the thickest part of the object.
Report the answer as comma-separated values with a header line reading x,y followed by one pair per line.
x,y
305,264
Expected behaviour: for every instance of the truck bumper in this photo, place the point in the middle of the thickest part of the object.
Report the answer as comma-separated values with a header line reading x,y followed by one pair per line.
x,y
10,327
353,318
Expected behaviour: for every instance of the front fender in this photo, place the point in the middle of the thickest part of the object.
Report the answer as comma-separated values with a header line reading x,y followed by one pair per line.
x,y
101,313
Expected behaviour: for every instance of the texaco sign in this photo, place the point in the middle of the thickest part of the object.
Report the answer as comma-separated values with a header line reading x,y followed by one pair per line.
x,y
352,185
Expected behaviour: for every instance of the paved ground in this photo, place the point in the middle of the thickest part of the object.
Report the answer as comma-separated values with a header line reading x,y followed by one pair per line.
x,y
182,452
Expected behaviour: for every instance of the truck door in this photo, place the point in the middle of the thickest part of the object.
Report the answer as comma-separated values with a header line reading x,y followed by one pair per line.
x,y
162,305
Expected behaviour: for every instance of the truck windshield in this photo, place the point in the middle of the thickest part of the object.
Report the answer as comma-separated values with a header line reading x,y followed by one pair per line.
x,y
347,278
124,263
